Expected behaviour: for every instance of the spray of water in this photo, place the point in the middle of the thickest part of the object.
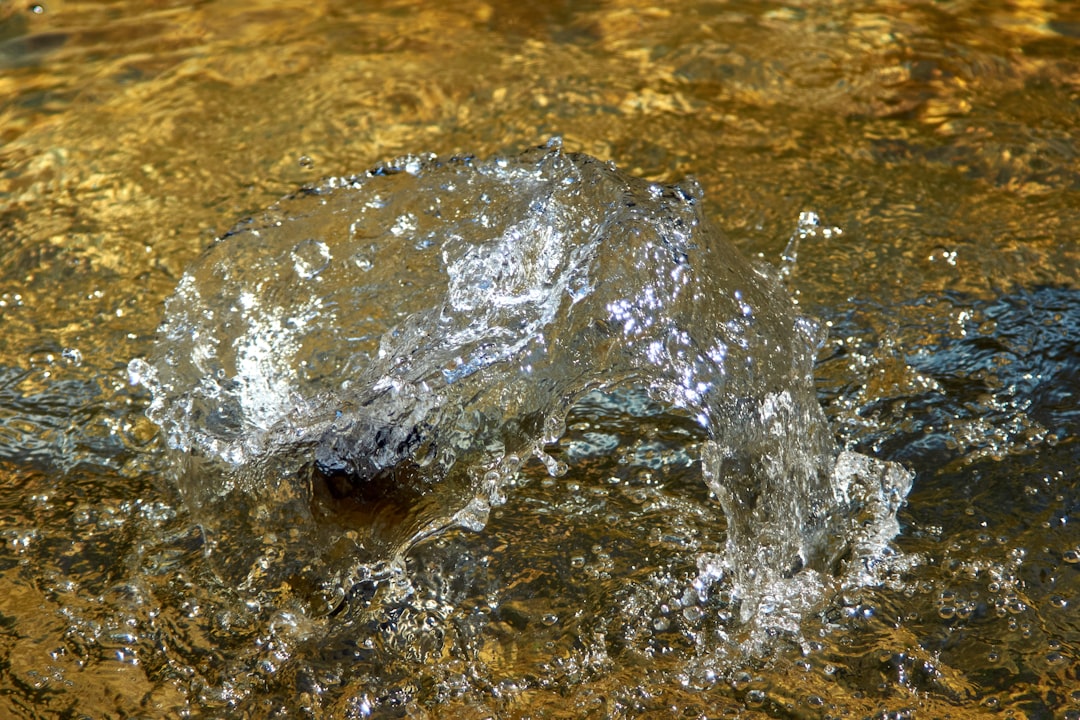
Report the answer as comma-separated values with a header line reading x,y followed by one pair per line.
x,y
371,360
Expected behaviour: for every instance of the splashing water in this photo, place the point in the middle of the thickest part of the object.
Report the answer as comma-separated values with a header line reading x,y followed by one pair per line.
x,y
372,360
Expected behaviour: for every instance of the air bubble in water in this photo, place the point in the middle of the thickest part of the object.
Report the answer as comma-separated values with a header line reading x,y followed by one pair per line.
x,y
310,257
72,355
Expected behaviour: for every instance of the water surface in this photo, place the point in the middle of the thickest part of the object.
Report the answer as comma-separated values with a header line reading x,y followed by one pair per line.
x,y
935,141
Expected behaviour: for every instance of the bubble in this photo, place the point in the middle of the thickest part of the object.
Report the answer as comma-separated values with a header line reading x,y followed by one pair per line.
x,y
755,698
139,371
693,614
310,257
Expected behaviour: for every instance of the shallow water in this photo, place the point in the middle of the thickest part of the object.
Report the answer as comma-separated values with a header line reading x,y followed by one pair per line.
x,y
372,361
935,141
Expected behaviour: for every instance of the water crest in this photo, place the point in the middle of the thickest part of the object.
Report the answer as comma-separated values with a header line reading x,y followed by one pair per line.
x,y
374,359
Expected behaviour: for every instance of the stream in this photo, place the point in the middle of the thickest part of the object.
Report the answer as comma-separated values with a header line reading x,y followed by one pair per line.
x,y
483,360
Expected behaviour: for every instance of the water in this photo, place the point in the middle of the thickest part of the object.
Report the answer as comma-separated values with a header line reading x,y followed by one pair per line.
x,y
384,352
935,143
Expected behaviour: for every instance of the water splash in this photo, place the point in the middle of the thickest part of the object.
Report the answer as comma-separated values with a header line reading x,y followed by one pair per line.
x,y
373,358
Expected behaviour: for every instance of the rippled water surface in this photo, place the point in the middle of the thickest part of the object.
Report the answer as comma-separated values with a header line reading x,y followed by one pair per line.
x,y
935,143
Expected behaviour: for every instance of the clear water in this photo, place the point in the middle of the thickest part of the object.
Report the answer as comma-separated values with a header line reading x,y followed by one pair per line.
x,y
373,361
934,141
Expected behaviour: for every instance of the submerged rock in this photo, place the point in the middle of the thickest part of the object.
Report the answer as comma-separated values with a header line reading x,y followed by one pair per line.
x,y
382,352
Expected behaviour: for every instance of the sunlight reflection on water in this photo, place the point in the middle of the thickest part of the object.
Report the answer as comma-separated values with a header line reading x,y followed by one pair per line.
x,y
939,137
